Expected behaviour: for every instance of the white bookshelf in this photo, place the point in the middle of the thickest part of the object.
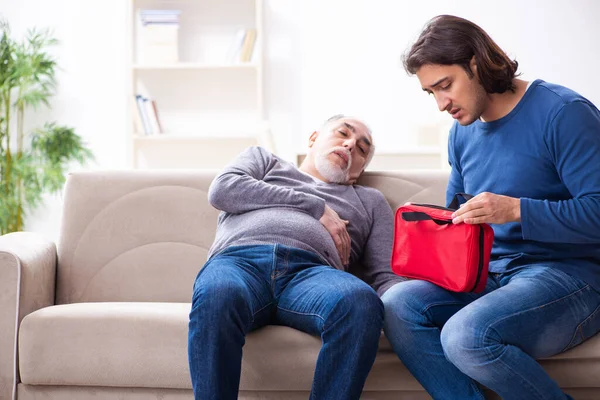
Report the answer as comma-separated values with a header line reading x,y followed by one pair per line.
x,y
209,106
191,65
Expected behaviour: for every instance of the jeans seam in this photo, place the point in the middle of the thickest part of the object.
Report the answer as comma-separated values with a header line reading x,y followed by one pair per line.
x,y
579,330
446,303
302,313
569,295
532,308
262,308
273,264
532,387
283,271
256,312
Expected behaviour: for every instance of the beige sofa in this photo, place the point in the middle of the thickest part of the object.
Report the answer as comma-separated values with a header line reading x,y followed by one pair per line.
x,y
106,316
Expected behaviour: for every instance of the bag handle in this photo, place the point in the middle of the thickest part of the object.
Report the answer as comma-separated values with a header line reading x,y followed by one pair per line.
x,y
414,216
454,203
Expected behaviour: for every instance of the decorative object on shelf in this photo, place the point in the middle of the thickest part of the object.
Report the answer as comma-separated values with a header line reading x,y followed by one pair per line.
x,y
33,163
158,36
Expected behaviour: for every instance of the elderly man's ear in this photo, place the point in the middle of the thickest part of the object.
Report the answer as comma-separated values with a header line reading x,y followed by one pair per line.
x,y
312,138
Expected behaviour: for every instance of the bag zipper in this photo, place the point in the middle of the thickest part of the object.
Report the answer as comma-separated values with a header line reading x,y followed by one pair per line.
x,y
480,266
434,206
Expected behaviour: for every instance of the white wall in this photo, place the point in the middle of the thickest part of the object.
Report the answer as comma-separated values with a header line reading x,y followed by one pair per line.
x,y
346,57
322,57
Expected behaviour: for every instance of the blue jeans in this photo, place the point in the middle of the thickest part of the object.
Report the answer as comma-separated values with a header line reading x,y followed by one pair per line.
x,y
246,287
451,342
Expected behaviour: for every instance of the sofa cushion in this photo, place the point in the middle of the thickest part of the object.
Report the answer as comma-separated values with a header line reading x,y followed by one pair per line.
x,y
145,345
106,344
144,235
134,236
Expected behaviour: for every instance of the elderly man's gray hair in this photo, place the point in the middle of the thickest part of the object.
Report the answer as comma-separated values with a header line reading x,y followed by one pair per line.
x,y
342,116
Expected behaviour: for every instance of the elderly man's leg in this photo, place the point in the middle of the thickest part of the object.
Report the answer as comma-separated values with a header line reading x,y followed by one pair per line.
x,y
231,296
348,316
538,312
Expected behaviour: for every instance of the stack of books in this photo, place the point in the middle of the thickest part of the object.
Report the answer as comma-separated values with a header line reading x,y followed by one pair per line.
x,y
157,36
145,116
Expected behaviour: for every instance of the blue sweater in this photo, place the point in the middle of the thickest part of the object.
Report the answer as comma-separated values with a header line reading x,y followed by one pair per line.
x,y
546,152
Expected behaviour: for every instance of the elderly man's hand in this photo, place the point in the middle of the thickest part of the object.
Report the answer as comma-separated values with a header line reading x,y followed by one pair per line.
x,y
337,229
489,208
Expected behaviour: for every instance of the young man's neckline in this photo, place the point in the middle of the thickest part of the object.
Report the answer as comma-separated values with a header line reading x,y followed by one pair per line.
x,y
497,122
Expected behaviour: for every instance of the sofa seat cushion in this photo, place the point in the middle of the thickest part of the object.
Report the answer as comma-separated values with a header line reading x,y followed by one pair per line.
x,y
145,345
106,344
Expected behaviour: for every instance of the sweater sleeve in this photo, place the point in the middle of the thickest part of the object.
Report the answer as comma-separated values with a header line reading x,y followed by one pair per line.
x,y
377,253
574,142
241,188
455,181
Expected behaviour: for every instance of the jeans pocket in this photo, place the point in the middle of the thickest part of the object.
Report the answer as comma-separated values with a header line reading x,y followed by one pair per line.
x,y
585,330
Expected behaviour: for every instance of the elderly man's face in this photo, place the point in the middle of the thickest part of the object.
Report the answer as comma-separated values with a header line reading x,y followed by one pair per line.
x,y
341,150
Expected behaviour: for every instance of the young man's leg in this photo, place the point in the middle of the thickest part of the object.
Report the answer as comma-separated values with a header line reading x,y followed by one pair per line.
x,y
231,296
539,311
415,312
348,316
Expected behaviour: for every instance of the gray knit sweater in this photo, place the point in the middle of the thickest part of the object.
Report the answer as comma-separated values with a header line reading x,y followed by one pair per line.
x,y
266,200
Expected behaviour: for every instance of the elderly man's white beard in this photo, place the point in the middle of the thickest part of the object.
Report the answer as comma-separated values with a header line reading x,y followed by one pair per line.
x,y
331,171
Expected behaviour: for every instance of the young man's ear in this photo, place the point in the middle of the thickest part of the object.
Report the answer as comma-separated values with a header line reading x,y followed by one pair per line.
x,y
473,65
313,138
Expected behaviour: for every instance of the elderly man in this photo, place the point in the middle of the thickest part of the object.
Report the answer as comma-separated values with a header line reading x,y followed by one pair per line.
x,y
286,237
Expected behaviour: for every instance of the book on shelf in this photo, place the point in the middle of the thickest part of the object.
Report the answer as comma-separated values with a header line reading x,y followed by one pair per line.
x,y
146,120
242,46
138,124
158,36
248,46
155,110
233,55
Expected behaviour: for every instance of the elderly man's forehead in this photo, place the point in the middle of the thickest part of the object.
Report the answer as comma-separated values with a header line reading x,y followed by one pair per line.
x,y
356,126
353,124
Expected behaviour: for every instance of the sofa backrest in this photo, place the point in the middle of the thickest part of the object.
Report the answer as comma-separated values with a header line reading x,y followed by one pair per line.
x,y
144,235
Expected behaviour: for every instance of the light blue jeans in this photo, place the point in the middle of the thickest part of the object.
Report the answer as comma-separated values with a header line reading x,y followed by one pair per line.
x,y
451,342
246,287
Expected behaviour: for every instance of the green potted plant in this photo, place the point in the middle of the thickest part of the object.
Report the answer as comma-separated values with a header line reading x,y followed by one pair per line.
x,y
31,163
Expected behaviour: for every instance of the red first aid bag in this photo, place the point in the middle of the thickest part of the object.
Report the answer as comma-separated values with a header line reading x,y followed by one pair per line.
x,y
428,246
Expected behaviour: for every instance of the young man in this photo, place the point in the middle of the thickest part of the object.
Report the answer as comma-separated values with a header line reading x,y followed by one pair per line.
x,y
285,237
530,152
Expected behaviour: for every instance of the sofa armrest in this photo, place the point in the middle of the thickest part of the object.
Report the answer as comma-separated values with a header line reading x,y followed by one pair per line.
x,y
27,283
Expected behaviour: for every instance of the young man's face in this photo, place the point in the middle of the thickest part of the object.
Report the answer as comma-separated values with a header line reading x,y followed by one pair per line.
x,y
341,150
463,97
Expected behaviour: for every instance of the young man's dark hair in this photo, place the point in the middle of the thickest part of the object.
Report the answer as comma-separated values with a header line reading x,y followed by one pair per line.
x,y
448,40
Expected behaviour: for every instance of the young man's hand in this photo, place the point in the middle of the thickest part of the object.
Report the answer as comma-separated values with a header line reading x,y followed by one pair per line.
x,y
337,229
489,208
